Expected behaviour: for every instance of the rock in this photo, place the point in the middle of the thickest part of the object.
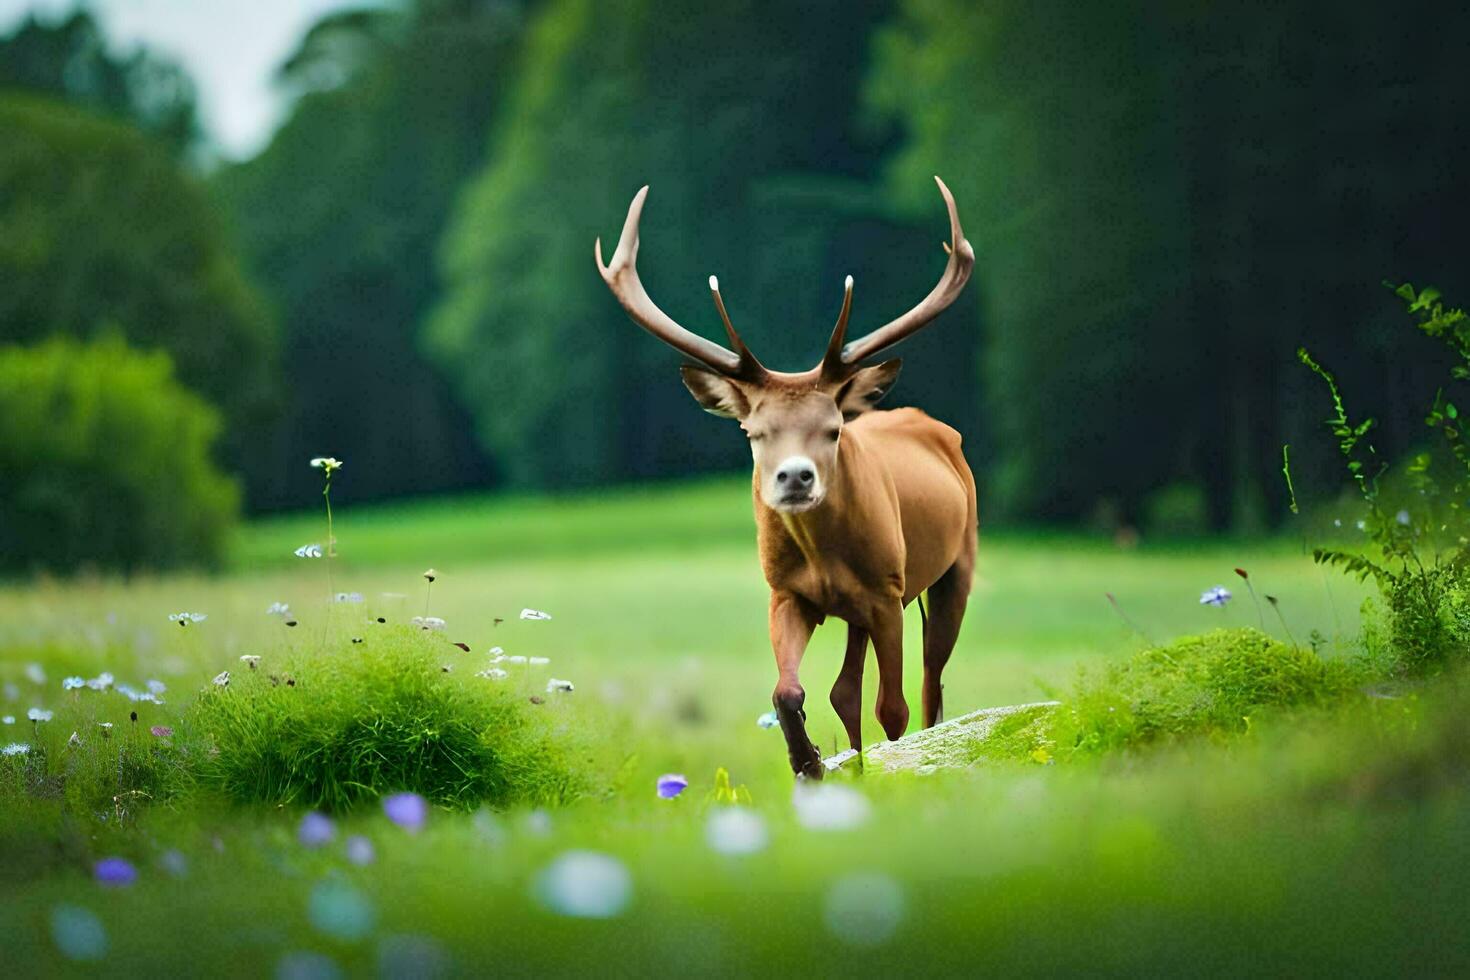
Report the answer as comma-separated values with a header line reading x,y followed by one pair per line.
x,y
947,745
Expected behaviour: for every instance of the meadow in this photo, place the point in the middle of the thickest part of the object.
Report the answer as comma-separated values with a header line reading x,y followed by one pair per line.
x,y
1313,839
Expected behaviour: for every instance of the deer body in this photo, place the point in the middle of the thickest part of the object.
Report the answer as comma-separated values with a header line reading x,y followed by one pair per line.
x,y
899,519
857,511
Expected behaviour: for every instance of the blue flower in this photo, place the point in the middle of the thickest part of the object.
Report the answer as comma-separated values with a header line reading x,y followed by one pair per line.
x,y
1217,596
73,683
359,850
671,784
407,810
115,872
768,720
316,829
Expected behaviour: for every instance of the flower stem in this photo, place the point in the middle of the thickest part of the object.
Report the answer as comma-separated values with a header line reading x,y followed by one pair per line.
x,y
327,555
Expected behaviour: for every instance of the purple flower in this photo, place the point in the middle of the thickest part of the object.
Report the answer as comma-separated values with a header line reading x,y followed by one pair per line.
x,y
359,850
671,784
1217,596
115,872
161,731
316,829
407,810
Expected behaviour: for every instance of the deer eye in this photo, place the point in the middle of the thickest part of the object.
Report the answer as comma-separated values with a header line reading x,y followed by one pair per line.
x,y
832,434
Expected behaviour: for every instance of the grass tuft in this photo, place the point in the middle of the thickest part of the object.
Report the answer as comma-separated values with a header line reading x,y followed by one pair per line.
x,y
336,729
1206,685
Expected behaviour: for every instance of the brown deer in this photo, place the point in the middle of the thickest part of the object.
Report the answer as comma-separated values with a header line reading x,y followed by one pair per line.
x,y
857,512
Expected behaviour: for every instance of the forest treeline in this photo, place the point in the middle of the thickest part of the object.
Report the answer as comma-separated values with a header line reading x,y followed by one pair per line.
x,y
1166,199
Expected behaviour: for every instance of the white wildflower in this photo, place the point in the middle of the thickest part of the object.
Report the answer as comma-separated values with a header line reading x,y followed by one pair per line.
x,y
538,661
492,673
829,806
15,748
328,463
496,651
101,682
185,618
768,720
534,614
35,674
558,686
156,687
735,830
222,679
73,683
8,720
515,660
585,885
278,609
38,714
309,551
349,597
864,908
427,622
75,740
250,660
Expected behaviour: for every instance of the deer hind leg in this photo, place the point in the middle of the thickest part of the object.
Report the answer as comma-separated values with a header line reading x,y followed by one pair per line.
x,y
947,600
892,709
847,693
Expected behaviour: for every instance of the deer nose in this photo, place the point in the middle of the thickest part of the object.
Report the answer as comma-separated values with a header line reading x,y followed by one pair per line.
x,y
798,472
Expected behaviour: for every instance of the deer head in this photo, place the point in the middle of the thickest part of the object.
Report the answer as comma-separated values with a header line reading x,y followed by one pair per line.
x,y
794,421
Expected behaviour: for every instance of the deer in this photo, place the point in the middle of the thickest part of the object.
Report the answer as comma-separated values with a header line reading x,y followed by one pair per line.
x,y
858,512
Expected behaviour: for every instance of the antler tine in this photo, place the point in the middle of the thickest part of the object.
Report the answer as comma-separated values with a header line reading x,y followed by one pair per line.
x,y
832,365
748,363
951,283
621,276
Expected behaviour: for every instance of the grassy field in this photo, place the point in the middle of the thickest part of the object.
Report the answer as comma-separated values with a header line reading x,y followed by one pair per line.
x,y
1267,850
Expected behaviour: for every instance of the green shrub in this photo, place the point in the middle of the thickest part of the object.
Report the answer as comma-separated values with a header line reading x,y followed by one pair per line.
x,y
333,729
1197,685
103,230
1418,546
105,460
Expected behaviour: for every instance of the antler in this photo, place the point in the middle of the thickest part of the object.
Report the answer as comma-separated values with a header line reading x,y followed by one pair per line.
x,y
832,367
840,360
621,276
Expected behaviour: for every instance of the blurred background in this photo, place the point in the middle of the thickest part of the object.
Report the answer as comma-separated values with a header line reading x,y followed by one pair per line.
x,y
236,236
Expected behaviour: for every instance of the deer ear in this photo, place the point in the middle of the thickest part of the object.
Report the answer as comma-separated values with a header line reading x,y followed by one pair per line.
x,y
867,387
715,393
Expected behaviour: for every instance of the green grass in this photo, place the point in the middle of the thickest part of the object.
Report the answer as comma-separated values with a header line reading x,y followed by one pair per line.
x,y
1329,833
1196,686
357,721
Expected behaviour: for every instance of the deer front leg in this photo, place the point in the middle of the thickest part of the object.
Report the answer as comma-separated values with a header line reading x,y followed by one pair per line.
x,y
792,622
892,710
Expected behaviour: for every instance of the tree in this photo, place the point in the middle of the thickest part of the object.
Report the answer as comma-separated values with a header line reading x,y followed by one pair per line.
x,y
1170,198
741,118
68,59
340,217
99,230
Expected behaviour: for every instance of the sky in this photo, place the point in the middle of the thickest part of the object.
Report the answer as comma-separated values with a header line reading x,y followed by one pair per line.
x,y
231,48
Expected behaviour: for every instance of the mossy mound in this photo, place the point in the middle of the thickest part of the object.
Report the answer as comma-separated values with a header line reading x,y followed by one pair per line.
x,y
333,729
1196,686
